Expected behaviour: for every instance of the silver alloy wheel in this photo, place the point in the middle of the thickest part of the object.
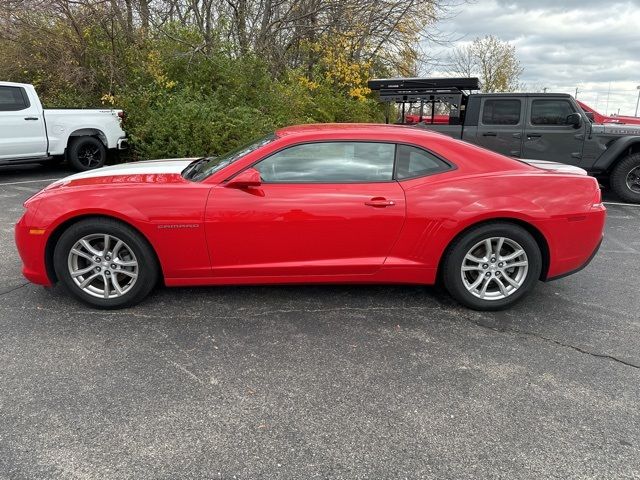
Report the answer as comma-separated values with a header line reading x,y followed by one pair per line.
x,y
633,180
103,266
494,268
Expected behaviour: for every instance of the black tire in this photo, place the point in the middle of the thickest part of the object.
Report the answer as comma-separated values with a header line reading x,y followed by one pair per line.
x,y
86,153
452,274
623,174
147,268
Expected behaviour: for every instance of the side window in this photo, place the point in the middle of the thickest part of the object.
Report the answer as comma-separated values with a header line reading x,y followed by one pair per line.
x,y
415,162
550,112
501,112
330,162
12,99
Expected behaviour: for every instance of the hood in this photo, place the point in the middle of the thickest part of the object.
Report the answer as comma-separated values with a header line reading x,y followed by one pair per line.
x,y
554,166
152,171
614,129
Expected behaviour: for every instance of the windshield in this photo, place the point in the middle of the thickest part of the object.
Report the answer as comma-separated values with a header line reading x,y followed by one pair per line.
x,y
202,168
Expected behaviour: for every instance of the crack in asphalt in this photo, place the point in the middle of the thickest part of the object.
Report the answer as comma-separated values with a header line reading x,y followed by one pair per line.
x,y
551,340
338,309
13,289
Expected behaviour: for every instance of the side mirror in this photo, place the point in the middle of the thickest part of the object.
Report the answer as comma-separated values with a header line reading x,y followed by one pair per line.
x,y
245,179
574,119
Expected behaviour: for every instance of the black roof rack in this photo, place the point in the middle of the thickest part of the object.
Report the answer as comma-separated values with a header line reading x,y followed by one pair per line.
x,y
426,91
396,84
422,89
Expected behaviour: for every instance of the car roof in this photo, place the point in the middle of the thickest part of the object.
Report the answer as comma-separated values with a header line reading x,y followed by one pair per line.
x,y
13,84
356,129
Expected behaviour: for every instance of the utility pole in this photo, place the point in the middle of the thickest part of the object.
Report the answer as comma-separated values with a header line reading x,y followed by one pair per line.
x,y
638,101
576,95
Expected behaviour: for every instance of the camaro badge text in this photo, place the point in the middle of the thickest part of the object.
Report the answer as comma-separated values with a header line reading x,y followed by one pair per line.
x,y
180,225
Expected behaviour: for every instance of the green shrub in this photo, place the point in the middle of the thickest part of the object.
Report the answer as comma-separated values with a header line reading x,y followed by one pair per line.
x,y
179,102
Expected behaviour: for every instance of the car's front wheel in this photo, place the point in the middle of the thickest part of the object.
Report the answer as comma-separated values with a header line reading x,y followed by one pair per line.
x,y
492,266
105,263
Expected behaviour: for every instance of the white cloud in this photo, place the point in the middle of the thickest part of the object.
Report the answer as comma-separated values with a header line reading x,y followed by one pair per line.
x,y
562,44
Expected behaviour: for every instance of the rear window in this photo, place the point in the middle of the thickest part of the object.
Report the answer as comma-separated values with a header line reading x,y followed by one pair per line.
x,y
501,112
13,99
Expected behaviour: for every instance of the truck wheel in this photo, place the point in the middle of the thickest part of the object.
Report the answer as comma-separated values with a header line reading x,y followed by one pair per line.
x,y
86,153
625,178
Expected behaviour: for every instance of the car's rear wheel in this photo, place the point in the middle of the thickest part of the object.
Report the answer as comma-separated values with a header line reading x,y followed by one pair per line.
x,y
492,266
105,263
86,153
625,178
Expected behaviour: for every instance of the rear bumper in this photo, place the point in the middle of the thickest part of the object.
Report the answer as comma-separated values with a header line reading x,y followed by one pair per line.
x,y
574,241
123,143
576,270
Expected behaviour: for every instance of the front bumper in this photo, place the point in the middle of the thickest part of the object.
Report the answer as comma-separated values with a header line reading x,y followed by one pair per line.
x,y
31,247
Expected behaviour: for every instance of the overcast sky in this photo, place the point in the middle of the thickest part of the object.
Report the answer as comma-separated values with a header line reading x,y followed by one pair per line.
x,y
591,44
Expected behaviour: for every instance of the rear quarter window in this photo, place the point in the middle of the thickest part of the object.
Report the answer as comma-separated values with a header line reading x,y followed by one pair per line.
x,y
413,162
13,99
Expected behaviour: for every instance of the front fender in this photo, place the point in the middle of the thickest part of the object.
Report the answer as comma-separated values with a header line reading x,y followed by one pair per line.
x,y
614,151
171,218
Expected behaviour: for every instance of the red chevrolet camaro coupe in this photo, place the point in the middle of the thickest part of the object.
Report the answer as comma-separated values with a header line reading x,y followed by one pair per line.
x,y
316,204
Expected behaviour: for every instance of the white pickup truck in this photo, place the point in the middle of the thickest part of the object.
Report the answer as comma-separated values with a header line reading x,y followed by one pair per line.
x,y
31,134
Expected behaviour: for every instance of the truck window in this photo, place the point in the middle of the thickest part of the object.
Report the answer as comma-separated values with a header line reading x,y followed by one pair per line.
x,y
12,99
550,112
501,112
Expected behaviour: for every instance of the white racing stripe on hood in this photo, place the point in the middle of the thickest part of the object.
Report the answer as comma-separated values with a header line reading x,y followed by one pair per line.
x,y
175,165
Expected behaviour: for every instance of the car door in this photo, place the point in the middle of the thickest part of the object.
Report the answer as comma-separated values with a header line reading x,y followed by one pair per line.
x,y
548,135
501,125
22,131
323,208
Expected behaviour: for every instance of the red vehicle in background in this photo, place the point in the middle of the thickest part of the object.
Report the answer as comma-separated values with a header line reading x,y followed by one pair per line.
x,y
599,118
411,119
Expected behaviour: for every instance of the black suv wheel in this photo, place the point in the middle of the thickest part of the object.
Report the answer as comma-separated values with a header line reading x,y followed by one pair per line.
x,y
625,178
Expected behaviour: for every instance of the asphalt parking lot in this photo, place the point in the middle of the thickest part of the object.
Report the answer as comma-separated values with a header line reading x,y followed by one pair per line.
x,y
374,382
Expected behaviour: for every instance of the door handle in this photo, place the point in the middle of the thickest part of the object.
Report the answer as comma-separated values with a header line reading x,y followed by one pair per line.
x,y
380,202
490,134
517,135
31,118
534,135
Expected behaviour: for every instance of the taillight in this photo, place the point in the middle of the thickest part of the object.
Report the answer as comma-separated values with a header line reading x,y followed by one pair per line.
x,y
121,115
597,201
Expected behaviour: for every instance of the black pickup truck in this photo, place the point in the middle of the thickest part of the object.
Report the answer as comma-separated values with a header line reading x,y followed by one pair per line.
x,y
549,126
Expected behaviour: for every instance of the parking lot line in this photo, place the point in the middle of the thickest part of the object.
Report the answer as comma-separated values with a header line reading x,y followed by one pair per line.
x,y
623,204
31,181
